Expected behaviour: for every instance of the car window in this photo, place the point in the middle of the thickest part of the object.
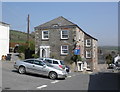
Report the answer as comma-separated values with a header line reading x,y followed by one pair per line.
x,y
55,62
41,58
29,61
38,63
48,61
62,62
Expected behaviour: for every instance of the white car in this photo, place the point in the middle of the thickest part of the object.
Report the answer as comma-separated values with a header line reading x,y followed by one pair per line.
x,y
59,64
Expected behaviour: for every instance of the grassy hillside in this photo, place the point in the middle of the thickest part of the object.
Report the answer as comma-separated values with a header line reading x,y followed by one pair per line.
x,y
108,47
19,37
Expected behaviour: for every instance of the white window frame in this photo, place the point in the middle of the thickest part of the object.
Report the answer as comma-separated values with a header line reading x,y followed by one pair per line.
x,y
88,52
62,53
88,44
65,34
43,35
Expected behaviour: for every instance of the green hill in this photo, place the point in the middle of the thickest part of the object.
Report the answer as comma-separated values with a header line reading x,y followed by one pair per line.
x,y
20,37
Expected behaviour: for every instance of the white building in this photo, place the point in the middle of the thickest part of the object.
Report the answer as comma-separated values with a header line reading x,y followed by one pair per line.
x,y
4,39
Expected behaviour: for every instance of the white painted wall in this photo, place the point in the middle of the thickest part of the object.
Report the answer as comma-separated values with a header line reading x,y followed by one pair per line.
x,y
80,41
4,39
95,54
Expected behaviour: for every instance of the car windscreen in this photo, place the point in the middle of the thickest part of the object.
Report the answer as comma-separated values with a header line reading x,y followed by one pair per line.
x,y
62,62
48,61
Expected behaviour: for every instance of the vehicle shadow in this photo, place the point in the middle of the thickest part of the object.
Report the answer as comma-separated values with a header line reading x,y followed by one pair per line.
x,y
32,74
105,81
37,75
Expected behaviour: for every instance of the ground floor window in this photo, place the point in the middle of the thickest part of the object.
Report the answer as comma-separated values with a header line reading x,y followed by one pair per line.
x,y
64,50
88,54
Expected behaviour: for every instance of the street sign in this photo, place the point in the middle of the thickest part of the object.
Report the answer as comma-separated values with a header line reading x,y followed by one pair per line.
x,y
77,52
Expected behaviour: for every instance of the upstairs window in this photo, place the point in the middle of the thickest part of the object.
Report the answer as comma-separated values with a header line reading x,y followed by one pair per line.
x,y
45,35
88,54
64,34
88,42
64,50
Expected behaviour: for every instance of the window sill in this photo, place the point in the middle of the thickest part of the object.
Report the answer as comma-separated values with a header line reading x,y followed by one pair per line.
x,y
45,39
88,58
64,38
63,54
88,46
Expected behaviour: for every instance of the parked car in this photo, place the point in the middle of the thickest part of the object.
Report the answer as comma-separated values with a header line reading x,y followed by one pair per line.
x,y
59,64
67,68
39,67
111,66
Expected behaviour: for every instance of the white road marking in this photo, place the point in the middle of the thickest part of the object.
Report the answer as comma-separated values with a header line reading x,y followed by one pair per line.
x,y
55,81
43,86
69,76
74,75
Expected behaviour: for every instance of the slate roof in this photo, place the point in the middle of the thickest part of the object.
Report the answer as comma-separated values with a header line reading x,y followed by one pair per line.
x,y
60,22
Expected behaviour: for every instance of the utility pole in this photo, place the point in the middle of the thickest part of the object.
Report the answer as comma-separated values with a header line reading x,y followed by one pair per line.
x,y
28,30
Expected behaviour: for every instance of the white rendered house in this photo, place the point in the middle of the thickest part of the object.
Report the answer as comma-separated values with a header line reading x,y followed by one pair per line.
x,y
4,39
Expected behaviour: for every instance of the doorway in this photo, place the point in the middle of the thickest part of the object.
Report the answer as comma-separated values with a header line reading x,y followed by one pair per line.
x,y
80,66
44,51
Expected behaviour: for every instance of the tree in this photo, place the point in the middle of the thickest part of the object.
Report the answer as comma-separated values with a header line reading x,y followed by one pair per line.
x,y
109,59
76,58
21,48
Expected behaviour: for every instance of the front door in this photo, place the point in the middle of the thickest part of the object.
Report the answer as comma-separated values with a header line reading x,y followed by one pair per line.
x,y
44,51
80,66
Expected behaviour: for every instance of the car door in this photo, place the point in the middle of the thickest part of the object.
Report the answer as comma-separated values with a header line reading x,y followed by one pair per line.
x,y
56,64
29,65
39,67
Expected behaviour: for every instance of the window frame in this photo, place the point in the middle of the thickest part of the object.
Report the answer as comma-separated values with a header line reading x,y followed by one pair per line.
x,y
55,61
90,43
29,61
64,49
64,34
88,52
48,61
40,63
43,38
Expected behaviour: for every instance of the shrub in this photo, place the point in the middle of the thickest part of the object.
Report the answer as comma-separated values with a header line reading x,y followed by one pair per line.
x,y
35,55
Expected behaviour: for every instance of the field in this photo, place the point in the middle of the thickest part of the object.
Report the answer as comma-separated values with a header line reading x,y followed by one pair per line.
x,y
18,37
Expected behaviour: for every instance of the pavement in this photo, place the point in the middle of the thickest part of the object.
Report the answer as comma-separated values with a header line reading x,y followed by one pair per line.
x,y
103,80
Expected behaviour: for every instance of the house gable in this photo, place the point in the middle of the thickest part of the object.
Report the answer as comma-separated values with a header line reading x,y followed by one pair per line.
x,y
55,23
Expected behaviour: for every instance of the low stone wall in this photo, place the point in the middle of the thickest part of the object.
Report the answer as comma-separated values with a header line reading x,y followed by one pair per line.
x,y
102,67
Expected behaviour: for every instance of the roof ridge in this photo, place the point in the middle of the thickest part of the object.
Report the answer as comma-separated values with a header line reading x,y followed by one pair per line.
x,y
60,18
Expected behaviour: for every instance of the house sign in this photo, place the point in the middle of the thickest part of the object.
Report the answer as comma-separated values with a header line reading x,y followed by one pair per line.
x,y
77,51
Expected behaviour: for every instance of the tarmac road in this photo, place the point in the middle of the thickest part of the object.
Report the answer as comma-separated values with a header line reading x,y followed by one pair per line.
x,y
12,80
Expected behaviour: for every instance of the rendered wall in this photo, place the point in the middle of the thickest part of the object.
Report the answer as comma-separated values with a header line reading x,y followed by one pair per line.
x,y
4,39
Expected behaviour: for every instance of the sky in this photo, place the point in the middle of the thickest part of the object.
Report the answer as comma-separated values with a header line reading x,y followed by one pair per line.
x,y
99,19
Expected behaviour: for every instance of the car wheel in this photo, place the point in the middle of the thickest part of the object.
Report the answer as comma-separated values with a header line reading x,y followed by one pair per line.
x,y
52,75
21,70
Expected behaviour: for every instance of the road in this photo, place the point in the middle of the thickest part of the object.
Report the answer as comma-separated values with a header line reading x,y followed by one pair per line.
x,y
12,80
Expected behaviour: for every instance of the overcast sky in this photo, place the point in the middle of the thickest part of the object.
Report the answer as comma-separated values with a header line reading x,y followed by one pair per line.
x,y
99,19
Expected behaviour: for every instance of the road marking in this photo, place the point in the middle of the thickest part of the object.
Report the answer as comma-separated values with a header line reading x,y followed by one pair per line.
x,y
55,81
74,75
43,86
69,76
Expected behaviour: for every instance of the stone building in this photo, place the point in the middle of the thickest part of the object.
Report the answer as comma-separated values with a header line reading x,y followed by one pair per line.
x,y
59,38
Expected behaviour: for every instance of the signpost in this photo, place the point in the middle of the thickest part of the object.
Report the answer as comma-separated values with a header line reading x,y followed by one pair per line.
x,y
77,51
